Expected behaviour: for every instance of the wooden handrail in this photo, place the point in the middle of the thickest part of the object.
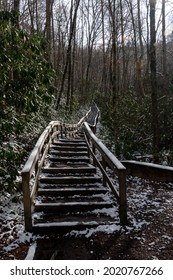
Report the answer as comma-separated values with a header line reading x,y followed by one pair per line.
x,y
93,125
108,159
145,170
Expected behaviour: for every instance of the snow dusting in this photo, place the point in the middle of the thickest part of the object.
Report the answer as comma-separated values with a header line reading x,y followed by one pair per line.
x,y
146,201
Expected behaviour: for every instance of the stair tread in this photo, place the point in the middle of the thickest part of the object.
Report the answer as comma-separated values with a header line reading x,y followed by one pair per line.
x,y
73,140
68,153
83,203
72,190
69,169
67,226
76,198
70,179
69,159
69,148
70,143
82,216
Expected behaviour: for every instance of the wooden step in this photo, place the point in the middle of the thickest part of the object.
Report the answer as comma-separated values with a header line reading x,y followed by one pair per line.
x,y
70,143
70,206
70,180
70,198
71,191
74,140
63,185
69,148
68,153
98,216
70,169
69,159
62,227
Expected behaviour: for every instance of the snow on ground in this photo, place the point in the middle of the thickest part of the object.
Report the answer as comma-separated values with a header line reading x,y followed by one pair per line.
x,y
146,201
12,233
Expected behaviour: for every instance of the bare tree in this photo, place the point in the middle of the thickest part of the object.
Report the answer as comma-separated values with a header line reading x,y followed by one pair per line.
x,y
155,125
164,57
73,18
113,66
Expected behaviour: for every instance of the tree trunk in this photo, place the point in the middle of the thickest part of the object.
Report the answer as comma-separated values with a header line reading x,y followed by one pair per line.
x,y
48,28
104,76
16,6
112,11
155,126
164,59
69,52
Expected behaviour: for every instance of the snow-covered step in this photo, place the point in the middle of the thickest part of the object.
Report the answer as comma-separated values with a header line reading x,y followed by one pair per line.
x,y
108,215
69,159
65,226
74,140
69,148
71,191
70,143
70,206
70,179
69,153
70,169
67,185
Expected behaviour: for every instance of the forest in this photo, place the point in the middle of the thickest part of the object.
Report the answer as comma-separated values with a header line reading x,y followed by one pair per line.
x,y
58,56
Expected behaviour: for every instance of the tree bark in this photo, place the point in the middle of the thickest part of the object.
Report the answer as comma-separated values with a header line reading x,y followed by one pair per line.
x,y
69,52
16,6
155,124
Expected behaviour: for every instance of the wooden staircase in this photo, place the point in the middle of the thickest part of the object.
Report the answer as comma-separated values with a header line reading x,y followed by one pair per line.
x,y
64,191
66,180
71,194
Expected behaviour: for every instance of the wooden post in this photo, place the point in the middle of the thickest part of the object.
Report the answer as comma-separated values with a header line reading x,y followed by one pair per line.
x,y
104,166
27,201
61,131
94,151
122,195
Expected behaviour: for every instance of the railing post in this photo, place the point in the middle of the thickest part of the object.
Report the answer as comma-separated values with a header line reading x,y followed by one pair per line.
x,y
27,201
122,196
104,166
94,152
61,131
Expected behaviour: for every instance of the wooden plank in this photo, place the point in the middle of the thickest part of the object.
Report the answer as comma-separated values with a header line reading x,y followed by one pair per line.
x,y
70,179
69,191
69,159
62,227
149,171
69,169
69,148
71,206
68,153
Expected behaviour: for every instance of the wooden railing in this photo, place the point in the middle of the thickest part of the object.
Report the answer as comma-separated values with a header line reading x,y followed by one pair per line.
x,y
145,170
97,149
32,168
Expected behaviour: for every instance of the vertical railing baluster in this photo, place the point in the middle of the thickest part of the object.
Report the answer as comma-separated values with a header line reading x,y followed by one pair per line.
x,y
104,167
27,201
123,198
